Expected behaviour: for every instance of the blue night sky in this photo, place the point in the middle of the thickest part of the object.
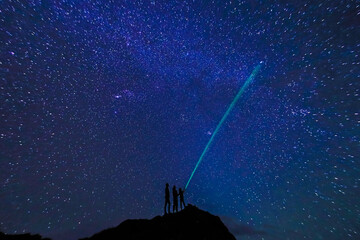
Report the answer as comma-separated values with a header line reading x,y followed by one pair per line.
x,y
103,102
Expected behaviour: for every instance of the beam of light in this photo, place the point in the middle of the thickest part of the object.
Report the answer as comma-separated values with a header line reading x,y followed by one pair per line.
x,y
238,95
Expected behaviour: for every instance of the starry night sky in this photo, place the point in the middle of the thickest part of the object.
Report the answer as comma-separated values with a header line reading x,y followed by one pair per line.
x,y
103,102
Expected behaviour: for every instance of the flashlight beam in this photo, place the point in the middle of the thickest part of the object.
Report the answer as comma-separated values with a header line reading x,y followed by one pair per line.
x,y
238,95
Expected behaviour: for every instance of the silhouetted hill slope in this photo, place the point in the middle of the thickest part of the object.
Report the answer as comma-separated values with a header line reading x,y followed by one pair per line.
x,y
26,236
191,223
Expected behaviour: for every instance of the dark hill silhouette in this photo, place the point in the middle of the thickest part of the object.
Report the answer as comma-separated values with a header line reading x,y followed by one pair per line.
x,y
191,223
26,236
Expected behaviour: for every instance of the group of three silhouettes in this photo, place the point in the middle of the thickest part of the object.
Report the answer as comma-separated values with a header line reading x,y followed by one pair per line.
x,y
175,199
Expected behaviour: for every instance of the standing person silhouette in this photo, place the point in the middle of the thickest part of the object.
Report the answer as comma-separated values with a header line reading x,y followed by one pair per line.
x,y
182,202
167,199
175,199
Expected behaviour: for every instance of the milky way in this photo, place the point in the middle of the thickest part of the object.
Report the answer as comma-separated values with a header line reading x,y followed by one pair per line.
x,y
103,102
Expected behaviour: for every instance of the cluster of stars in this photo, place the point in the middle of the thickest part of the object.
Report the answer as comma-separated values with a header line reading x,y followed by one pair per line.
x,y
103,102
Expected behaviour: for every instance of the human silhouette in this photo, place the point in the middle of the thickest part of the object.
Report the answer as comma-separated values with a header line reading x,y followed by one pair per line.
x,y
167,199
182,202
175,199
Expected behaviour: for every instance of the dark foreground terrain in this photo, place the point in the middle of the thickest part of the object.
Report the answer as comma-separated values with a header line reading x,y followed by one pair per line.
x,y
191,223
26,236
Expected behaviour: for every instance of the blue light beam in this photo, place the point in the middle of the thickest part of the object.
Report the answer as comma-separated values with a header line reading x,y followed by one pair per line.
x,y
238,95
